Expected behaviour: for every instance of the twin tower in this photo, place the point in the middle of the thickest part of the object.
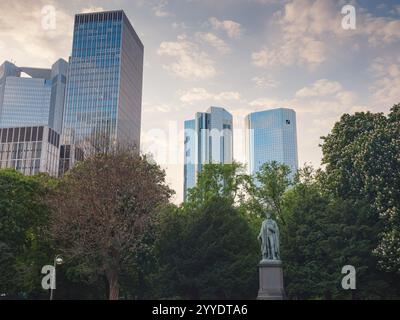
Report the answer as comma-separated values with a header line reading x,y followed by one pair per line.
x,y
270,135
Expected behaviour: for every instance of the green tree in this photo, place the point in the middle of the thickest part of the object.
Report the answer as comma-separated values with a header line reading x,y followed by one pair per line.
x,y
267,188
103,207
322,234
208,252
362,163
207,248
219,181
24,245
305,251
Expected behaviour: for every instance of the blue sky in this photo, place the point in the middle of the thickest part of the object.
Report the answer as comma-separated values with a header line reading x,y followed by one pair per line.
x,y
245,55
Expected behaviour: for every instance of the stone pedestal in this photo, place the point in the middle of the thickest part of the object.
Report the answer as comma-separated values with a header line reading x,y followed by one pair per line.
x,y
271,280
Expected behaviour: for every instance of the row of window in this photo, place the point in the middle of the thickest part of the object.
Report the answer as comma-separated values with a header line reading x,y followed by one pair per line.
x,y
21,134
98,17
20,150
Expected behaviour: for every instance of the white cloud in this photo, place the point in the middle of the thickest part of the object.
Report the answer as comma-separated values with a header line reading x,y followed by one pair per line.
x,y
300,43
150,108
304,51
264,82
214,41
311,29
386,83
179,25
160,9
201,94
191,62
321,87
232,28
380,30
322,97
28,43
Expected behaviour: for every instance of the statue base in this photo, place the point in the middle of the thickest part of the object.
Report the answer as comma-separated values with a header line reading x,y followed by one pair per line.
x,y
271,280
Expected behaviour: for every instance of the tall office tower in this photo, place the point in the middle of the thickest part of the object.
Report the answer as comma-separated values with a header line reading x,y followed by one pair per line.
x,y
30,150
104,87
208,139
32,96
189,167
271,135
59,73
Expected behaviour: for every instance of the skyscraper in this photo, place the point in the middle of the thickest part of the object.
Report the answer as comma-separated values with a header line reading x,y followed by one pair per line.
x,y
32,96
104,87
189,168
59,73
271,135
208,139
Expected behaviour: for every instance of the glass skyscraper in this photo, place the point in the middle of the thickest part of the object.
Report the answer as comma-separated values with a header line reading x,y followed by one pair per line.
x,y
190,156
208,139
104,88
59,73
32,96
271,135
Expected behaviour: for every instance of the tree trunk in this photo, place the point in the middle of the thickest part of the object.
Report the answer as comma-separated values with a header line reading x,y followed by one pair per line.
x,y
112,278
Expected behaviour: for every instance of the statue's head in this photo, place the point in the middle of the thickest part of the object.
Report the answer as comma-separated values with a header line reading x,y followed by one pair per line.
x,y
268,214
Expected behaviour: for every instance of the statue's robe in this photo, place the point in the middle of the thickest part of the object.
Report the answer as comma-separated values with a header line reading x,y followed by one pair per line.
x,y
269,235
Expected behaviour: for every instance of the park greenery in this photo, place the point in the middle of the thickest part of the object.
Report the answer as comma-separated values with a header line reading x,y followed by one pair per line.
x,y
121,238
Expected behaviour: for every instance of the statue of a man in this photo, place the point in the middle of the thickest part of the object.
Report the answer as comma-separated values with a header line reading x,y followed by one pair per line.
x,y
269,236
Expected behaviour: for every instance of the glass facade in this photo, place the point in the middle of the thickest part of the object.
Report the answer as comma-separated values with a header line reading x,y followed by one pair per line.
x,y
208,139
30,150
26,102
58,85
190,156
271,135
37,98
104,87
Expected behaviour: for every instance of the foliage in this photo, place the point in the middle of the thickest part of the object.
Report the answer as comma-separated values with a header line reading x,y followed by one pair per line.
x,y
363,164
267,188
218,181
24,246
207,253
103,206
322,234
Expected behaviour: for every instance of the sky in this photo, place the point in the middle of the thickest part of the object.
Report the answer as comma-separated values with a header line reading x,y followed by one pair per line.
x,y
243,55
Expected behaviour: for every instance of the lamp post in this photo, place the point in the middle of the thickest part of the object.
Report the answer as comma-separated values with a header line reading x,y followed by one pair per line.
x,y
58,260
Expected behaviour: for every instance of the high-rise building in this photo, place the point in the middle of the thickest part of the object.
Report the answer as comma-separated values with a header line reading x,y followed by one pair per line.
x,y
191,141
32,96
271,135
208,139
59,72
30,150
104,86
